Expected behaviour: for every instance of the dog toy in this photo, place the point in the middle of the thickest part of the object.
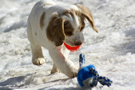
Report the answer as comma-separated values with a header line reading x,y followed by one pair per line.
x,y
72,49
88,76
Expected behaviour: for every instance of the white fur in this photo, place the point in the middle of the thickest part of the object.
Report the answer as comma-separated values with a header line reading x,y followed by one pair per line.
x,y
58,54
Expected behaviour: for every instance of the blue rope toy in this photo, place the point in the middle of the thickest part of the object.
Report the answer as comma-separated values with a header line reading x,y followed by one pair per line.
x,y
88,76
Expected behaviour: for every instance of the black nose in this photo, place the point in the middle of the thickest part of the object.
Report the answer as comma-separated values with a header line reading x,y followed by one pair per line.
x,y
78,43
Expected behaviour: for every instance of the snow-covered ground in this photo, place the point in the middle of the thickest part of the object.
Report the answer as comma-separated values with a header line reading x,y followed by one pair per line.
x,y
112,50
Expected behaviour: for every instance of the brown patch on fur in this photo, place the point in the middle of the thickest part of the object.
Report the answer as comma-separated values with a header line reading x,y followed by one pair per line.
x,y
68,29
55,30
87,14
42,20
81,21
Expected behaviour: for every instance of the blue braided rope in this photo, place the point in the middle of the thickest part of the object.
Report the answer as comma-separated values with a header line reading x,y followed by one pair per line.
x,y
104,81
101,79
93,74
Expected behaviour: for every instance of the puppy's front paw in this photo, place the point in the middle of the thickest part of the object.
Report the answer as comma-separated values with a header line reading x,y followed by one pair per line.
x,y
38,61
74,72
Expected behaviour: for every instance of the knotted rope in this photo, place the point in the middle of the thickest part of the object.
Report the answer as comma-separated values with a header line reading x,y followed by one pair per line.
x,y
88,76
101,79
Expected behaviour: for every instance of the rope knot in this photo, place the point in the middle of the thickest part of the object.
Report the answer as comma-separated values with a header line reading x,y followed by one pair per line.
x,y
88,76
101,79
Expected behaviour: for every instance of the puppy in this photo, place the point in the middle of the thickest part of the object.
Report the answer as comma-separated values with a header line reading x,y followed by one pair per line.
x,y
50,25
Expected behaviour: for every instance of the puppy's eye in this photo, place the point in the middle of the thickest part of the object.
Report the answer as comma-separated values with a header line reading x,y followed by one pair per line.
x,y
68,29
68,33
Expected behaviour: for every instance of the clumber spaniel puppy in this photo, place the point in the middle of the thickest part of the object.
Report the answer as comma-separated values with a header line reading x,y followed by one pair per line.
x,y
50,24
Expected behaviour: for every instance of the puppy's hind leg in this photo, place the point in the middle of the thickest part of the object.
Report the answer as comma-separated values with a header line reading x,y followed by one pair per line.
x,y
37,55
54,69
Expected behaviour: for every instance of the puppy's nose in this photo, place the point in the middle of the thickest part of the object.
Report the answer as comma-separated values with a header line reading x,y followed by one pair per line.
x,y
78,43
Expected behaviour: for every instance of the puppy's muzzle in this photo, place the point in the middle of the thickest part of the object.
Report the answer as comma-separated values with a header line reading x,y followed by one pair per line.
x,y
78,43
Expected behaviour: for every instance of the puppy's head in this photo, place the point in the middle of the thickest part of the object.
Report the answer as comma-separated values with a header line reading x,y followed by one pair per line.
x,y
68,26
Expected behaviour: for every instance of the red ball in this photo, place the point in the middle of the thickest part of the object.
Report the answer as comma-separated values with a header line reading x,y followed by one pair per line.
x,y
72,49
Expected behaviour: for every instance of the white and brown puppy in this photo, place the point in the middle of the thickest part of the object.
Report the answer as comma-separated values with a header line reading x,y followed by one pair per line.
x,y
50,25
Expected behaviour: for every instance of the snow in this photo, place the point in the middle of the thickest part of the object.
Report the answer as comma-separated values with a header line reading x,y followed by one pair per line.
x,y
112,50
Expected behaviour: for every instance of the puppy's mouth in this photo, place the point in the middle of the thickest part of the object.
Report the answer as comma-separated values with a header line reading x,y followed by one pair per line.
x,y
73,44
72,48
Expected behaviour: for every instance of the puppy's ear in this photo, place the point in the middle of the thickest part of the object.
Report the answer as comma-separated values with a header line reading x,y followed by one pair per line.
x,y
55,30
87,14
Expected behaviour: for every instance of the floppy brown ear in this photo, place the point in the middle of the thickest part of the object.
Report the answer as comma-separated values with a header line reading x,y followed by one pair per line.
x,y
55,30
87,14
